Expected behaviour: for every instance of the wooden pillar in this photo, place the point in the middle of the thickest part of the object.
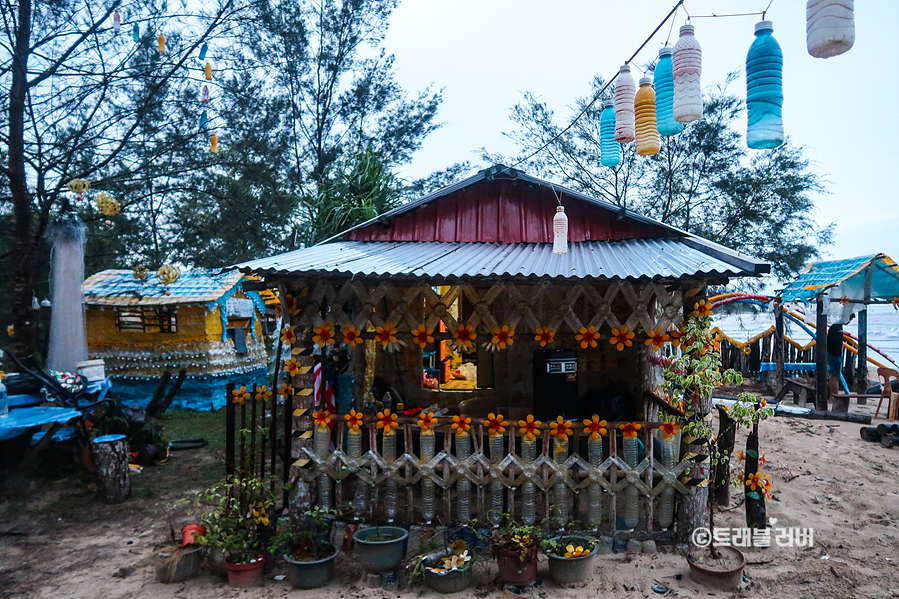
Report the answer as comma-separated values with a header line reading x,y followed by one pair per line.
x,y
821,388
861,374
113,475
778,346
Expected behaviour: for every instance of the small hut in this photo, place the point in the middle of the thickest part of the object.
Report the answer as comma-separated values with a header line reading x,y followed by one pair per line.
x,y
203,323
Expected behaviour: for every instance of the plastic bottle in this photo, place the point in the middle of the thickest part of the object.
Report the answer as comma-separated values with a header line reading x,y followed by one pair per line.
x,y
354,452
427,485
4,401
610,150
648,142
560,231
594,491
668,450
528,455
560,491
496,487
664,84
625,90
687,71
631,495
829,27
764,90
388,448
321,438
463,485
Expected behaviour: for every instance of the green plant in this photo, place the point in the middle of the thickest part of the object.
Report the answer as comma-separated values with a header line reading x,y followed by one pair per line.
x,y
519,538
568,543
306,538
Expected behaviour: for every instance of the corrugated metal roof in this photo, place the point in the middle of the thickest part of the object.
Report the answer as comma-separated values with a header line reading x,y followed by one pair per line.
x,y
120,288
824,275
633,259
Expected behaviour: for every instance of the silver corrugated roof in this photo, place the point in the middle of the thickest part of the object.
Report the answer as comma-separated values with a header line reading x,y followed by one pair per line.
x,y
633,259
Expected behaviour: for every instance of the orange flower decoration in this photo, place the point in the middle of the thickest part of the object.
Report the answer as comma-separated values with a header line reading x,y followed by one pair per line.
x,y
560,428
321,419
291,303
353,420
675,337
754,479
763,403
587,336
702,309
422,336
530,428
351,336
629,430
386,334
461,423
495,424
844,300
545,335
288,335
285,390
502,337
620,338
292,367
240,395
323,334
387,421
263,393
668,429
657,339
595,427
427,422
464,336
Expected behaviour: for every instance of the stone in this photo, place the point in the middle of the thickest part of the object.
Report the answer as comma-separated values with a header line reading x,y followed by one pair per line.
x,y
649,547
605,546
373,581
634,547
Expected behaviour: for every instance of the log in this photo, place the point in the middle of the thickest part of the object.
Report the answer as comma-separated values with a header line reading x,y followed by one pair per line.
x,y
869,433
844,416
887,429
890,441
113,475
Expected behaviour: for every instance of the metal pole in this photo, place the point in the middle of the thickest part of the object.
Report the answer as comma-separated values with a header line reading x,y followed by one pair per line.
x,y
778,346
821,388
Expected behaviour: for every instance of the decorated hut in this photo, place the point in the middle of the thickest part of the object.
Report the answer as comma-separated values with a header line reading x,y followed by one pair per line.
x,y
203,322
458,301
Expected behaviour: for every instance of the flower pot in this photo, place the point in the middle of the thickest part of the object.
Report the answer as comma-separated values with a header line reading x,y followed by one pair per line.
x,y
177,565
310,575
381,556
512,570
449,582
245,576
569,570
190,533
215,559
725,573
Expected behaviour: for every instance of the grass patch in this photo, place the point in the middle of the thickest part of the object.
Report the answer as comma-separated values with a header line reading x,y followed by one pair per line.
x,y
188,424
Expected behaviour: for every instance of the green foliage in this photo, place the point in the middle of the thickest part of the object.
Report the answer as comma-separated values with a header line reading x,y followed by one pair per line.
x,y
516,537
305,537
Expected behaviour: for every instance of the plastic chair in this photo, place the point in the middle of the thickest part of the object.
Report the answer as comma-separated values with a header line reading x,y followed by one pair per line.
x,y
886,374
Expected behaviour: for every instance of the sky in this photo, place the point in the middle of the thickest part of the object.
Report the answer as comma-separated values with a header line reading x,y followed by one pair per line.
x,y
486,53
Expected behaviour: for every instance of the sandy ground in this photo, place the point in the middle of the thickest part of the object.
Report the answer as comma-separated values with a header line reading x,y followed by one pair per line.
x,y
66,544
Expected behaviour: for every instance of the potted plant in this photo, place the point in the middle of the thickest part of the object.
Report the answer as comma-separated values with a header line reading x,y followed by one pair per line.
x,y
237,525
305,546
570,557
447,559
380,548
176,563
515,549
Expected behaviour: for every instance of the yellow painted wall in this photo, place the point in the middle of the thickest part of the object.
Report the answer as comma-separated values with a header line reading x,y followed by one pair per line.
x,y
192,328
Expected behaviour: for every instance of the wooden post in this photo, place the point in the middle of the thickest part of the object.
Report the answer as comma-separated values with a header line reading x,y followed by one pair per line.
x,y
861,375
230,423
821,388
113,475
778,347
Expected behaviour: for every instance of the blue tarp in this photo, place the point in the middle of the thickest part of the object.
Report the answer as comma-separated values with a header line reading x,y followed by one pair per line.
x,y
199,392
850,275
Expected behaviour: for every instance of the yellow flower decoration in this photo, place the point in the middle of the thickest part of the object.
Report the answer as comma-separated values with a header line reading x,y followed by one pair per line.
x,y
461,423
422,336
286,390
595,427
292,367
263,393
427,422
572,551
291,303
587,336
629,430
387,421
529,427
560,428
261,516
702,309
544,335
323,334
464,336
502,337
386,334
657,339
288,335
240,395
321,419
675,337
351,336
621,337
353,420
495,424
11,330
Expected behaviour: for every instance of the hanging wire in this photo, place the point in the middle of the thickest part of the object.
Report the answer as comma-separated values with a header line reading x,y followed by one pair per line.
x,y
599,94
670,29
739,14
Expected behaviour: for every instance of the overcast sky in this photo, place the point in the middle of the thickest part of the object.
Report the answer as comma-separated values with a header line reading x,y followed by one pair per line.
x,y
486,53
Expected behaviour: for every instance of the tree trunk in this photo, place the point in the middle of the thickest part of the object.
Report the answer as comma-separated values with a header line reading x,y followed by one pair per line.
x,y
113,475
755,508
727,430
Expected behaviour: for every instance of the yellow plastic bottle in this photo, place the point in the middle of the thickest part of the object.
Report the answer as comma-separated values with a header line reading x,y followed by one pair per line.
x,y
648,141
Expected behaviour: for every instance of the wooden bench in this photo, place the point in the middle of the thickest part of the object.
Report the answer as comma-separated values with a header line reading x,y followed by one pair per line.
x,y
803,393
841,400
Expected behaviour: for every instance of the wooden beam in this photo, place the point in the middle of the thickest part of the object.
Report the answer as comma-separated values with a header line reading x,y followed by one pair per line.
x,y
821,389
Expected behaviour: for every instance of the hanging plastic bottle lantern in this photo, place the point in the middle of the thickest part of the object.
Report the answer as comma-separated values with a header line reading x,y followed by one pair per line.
x,y
204,119
161,40
168,274
687,69
207,71
203,49
664,86
78,186
214,144
560,231
625,90
135,33
764,90
107,204
610,149
204,95
116,20
648,142
829,27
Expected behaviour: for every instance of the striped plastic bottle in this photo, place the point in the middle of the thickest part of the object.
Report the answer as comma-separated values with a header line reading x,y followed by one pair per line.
x,y
829,27
648,142
609,148
625,90
687,68
664,84
764,90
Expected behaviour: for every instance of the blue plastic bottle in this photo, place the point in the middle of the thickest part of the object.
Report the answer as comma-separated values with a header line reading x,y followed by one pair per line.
x,y
664,84
4,402
764,90
610,150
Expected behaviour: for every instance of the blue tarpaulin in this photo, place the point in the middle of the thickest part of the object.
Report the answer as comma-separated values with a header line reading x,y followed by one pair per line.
x,y
849,275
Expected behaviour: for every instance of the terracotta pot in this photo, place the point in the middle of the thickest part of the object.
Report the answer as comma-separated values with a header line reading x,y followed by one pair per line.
x,y
726,579
515,572
190,533
245,576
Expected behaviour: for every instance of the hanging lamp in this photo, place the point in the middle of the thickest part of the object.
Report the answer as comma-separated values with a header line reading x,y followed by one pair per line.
x,y
625,90
687,69
610,150
764,90
664,86
648,142
829,27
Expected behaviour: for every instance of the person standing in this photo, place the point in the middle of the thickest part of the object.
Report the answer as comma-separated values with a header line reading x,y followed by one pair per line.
x,y
835,352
